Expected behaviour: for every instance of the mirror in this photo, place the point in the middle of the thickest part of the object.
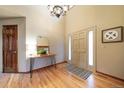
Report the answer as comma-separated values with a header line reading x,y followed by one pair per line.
x,y
42,41
42,45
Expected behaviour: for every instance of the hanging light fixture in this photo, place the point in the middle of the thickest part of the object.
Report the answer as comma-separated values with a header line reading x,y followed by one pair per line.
x,y
59,10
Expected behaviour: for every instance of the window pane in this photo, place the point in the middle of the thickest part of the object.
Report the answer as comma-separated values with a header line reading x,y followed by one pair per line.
x,y
69,56
90,47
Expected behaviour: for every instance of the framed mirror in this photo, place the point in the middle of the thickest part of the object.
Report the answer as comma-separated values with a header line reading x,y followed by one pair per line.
x,y
43,45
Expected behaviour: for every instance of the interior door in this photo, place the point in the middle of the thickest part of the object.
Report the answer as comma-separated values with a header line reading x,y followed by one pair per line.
x,y
10,48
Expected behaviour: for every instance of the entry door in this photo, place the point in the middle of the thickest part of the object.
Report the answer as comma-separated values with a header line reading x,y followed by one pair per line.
x,y
10,48
83,49
75,49
79,47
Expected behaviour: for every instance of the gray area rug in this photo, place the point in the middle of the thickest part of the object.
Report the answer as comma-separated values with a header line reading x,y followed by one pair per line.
x,y
82,73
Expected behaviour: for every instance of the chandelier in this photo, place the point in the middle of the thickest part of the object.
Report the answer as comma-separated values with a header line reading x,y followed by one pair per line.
x,y
59,10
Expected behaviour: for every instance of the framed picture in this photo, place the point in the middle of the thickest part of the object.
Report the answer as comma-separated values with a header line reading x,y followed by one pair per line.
x,y
112,35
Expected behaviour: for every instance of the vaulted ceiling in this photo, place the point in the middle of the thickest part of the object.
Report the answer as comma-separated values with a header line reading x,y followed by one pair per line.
x,y
23,11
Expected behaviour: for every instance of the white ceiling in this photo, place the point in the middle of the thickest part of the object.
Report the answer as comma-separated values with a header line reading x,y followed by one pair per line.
x,y
22,11
5,13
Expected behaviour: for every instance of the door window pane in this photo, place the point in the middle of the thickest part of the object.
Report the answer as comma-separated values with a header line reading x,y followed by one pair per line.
x,y
69,56
90,47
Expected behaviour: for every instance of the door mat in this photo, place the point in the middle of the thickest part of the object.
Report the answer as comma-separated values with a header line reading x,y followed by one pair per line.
x,y
82,73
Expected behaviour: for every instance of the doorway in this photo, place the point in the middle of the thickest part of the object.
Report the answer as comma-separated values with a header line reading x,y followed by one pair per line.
x,y
10,55
84,49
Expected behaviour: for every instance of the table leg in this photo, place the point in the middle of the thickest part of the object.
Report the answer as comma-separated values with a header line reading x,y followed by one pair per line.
x,y
31,66
53,61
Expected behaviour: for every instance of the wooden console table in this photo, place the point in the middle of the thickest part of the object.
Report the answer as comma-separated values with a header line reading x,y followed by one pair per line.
x,y
32,60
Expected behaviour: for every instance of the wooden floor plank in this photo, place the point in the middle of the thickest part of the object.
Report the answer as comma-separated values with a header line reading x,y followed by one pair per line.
x,y
59,77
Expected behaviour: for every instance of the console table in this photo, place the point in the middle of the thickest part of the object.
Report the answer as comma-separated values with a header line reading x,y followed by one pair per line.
x,y
32,60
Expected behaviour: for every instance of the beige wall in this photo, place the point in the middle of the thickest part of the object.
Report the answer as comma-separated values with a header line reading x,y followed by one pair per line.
x,y
39,22
21,41
49,27
110,58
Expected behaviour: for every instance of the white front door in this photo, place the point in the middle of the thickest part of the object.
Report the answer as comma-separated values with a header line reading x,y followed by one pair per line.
x,y
75,48
83,49
79,47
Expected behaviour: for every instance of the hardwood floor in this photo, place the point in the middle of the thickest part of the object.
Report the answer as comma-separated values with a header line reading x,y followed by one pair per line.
x,y
56,78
